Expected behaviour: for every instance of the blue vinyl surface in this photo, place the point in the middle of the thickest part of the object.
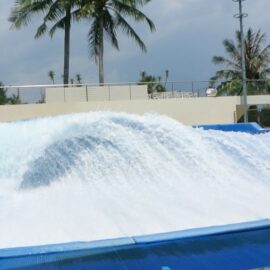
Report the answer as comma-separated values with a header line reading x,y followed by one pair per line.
x,y
252,128
238,246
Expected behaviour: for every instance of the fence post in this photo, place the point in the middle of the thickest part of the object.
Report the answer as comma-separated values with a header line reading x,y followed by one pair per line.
x,y
64,94
86,89
42,96
18,93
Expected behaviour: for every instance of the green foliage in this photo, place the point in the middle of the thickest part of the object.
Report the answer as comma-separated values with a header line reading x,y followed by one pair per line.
x,y
54,12
257,60
4,99
111,15
3,94
107,17
234,88
51,75
14,99
153,83
78,78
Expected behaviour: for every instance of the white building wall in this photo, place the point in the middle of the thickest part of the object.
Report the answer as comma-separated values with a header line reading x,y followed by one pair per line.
x,y
190,111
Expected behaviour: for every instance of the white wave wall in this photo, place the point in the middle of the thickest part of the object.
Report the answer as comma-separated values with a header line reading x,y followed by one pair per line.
x,y
104,175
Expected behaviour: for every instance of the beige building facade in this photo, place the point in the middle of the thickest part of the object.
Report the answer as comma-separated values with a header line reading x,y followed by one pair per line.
x,y
189,111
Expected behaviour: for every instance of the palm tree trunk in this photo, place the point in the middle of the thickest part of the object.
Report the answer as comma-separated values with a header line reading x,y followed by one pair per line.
x,y
67,45
101,52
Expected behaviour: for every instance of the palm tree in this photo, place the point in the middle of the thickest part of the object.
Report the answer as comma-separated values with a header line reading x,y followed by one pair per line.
x,y
51,75
153,83
109,16
166,77
57,12
78,78
3,94
257,59
15,98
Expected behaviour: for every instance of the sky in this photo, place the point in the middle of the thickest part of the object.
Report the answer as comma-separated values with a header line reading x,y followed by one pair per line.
x,y
188,34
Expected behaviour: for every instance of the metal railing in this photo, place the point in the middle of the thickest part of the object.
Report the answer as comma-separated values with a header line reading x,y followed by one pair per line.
x,y
156,90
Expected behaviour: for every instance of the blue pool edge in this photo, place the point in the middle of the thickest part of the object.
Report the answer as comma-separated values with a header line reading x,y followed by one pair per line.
x,y
251,128
131,241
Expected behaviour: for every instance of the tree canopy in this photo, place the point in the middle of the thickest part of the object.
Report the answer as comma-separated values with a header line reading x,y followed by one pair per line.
x,y
4,99
107,17
257,57
154,83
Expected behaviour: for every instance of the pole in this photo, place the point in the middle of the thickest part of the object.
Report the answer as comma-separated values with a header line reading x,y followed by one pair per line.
x,y
241,15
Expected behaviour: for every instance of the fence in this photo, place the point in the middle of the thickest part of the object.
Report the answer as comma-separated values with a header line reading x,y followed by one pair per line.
x,y
124,91
95,93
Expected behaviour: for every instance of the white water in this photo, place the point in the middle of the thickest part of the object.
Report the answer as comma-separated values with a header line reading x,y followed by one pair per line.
x,y
113,175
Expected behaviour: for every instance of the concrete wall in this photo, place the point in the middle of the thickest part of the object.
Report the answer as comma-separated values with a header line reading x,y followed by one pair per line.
x,y
189,111
98,93
75,94
254,100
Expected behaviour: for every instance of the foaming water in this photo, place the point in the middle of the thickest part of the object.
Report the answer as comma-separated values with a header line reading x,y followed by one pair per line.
x,y
100,175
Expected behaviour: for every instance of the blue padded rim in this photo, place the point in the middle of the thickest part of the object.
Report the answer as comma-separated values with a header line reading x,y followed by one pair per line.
x,y
198,232
65,247
252,128
129,241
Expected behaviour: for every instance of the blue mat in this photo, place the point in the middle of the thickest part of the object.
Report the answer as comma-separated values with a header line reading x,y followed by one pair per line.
x,y
252,128
237,246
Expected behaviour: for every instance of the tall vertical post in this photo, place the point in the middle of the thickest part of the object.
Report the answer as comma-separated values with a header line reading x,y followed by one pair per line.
x,y
240,16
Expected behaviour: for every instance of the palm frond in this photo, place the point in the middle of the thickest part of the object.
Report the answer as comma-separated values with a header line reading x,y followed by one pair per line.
x,y
23,11
110,28
129,31
133,12
41,30
256,58
93,39
221,60
231,49
59,24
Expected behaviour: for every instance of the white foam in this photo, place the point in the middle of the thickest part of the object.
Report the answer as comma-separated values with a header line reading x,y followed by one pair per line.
x,y
141,175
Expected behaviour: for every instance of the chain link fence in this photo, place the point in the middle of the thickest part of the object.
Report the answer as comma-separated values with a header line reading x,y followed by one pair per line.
x,y
29,94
